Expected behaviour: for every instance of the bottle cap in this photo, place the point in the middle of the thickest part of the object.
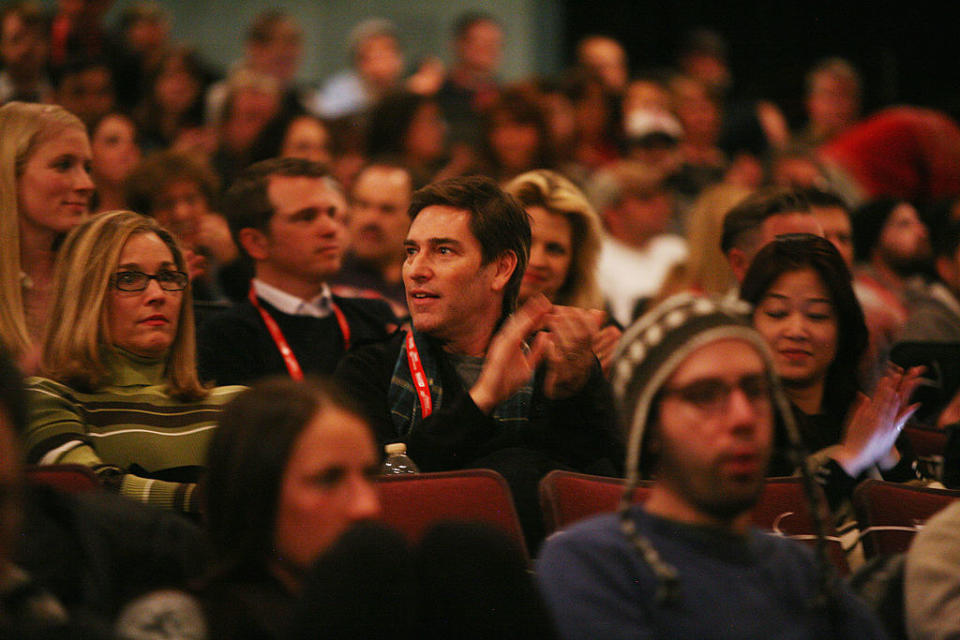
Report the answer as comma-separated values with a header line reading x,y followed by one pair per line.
x,y
395,448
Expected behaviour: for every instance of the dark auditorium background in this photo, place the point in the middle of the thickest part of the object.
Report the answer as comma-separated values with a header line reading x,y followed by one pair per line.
x,y
901,48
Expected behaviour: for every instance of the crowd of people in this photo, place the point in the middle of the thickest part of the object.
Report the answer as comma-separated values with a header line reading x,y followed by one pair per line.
x,y
223,295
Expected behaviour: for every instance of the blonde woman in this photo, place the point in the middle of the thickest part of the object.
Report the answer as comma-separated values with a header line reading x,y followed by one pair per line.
x,y
706,269
45,190
121,393
565,233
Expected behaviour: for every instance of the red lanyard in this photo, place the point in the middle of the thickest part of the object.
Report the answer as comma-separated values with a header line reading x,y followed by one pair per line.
x,y
286,352
418,375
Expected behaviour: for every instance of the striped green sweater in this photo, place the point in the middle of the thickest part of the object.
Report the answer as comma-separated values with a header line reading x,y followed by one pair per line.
x,y
151,447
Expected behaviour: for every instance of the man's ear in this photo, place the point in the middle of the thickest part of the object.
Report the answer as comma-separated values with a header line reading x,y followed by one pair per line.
x,y
254,242
505,265
739,263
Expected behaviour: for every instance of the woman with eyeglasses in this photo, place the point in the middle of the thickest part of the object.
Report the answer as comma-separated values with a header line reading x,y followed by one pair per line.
x,y
121,393
805,307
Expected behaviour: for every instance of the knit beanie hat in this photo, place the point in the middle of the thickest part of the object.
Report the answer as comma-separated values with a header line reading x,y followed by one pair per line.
x,y
647,355
656,344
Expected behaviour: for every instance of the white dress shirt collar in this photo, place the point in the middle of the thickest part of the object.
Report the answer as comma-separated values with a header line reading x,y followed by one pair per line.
x,y
319,307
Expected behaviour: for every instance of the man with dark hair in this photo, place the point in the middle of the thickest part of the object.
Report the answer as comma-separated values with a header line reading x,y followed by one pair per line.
x,y
467,386
378,225
84,86
287,215
759,219
697,384
892,246
935,316
833,214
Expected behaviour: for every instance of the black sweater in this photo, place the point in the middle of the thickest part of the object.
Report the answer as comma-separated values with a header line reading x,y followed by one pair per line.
x,y
235,346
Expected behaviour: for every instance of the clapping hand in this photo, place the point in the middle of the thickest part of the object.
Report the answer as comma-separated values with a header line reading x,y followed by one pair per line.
x,y
570,358
876,422
509,362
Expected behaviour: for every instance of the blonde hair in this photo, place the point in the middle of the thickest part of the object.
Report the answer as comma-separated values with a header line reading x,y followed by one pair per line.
x,y
558,195
73,345
23,127
706,269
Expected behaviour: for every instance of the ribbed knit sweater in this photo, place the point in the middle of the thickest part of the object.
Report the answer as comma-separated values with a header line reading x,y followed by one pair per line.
x,y
136,437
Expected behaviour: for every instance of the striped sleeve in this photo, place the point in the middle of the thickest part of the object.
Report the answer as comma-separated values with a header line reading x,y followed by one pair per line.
x,y
177,496
56,430
57,433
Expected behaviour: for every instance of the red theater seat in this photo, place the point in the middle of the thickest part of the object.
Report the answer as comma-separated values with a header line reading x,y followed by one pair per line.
x,y
411,503
890,514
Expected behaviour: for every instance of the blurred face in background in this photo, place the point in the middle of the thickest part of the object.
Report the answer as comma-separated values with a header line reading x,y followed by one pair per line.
x,y
904,241
250,111
646,94
176,89
480,47
23,48
279,53
424,142
606,59
180,207
698,113
837,229
378,216
87,93
115,150
833,103
307,138
515,144
380,62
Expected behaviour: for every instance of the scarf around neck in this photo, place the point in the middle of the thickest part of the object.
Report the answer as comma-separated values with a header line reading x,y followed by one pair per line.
x,y
405,410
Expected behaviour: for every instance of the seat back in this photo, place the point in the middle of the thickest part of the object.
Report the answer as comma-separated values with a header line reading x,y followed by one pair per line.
x,y
783,508
567,496
69,478
929,445
890,514
411,503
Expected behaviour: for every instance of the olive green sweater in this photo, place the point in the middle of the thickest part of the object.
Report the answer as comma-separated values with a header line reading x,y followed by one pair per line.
x,y
137,439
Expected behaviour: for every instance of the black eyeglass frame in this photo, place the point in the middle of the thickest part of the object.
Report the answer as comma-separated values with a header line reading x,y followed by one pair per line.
x,y
179,283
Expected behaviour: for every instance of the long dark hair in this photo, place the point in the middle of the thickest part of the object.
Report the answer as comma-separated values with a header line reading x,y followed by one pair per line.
x,y
803,251
245,465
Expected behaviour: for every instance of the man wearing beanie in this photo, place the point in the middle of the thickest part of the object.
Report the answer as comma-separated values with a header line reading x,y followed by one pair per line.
x,y
695,386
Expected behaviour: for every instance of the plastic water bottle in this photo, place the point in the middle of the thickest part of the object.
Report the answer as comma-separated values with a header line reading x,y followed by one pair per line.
x,y
398,462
